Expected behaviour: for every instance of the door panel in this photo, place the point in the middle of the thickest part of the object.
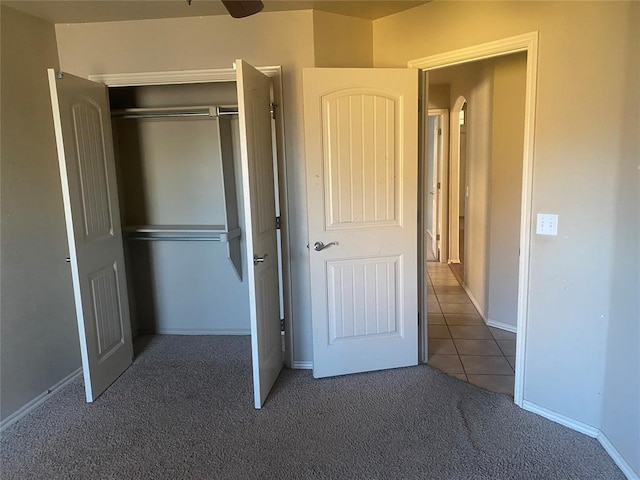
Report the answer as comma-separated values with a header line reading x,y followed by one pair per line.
x,y
361,129
87,171
254,93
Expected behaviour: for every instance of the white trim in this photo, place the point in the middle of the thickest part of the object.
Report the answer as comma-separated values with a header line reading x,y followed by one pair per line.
x,y
302,365
593,432
173,77
39,400
498,48
613,452
196,331
561,419
501,325
528,43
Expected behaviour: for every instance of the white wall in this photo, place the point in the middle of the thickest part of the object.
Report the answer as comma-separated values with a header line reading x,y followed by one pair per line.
x,y
38,334
583,135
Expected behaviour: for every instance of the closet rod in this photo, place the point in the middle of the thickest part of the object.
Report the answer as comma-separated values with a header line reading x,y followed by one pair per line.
x,y
177,239
175,112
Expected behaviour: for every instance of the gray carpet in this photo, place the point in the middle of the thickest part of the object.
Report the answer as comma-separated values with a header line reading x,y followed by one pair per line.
x,y
184,410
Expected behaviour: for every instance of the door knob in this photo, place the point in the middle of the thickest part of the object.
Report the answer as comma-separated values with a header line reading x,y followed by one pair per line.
x,y
319,246
257,259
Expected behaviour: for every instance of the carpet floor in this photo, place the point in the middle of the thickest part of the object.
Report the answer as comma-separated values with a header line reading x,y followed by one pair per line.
x,y
184,409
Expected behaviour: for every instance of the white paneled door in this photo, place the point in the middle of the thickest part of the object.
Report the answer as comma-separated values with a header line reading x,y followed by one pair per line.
x,y
87,171
361,138
254,106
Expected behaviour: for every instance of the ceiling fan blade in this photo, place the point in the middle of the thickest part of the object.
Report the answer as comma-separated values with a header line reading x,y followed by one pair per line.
x,y
242,8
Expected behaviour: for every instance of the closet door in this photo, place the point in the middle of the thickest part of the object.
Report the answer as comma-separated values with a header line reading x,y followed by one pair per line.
x,y
87,171
254,106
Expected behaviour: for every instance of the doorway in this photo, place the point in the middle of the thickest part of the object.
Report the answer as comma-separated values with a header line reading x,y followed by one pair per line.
x,y
528,44
437,159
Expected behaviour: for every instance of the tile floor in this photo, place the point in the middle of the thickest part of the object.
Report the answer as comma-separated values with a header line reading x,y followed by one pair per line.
x,y
460,343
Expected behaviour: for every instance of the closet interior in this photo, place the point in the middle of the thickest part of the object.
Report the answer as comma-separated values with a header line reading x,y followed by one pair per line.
x,y
178,167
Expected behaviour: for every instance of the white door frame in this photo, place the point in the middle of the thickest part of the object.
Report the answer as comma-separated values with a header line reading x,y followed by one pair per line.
x,y
528,43
139,79
441,220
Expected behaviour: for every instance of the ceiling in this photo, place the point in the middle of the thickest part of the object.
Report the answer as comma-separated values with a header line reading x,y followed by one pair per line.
x,y
87,11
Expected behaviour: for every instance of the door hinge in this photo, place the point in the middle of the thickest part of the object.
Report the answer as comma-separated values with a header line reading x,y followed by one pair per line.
x,y
438,185
437,236
282,324
439,131
278,223
273,110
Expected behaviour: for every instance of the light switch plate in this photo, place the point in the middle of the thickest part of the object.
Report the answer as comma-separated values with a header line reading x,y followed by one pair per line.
x,y
547,224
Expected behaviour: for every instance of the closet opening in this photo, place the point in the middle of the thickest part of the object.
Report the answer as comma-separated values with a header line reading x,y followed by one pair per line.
x,y
177,162
171,196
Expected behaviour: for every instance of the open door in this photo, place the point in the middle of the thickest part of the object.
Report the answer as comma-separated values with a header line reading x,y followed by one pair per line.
x,y
254,107
89,189
361,137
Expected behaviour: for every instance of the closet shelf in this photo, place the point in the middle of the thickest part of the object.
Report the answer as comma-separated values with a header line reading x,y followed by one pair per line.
x,y
209,111
212,233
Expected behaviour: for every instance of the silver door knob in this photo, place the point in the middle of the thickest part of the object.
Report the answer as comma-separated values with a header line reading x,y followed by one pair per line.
x,y
318,246
257,259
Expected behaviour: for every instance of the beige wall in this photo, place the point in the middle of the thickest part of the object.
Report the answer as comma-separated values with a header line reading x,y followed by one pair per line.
x,y
621,399
507,141
477,207
581,137
439,96
38,339
474,83
274,38
341,41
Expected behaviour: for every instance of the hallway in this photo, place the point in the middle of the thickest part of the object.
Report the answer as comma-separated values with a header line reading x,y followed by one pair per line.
x,y
460,343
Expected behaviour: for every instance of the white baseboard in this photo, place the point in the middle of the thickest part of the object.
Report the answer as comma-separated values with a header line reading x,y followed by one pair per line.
x,y
196,331
561,419
302,366
502,326
475,302
39,400
587,430
622,464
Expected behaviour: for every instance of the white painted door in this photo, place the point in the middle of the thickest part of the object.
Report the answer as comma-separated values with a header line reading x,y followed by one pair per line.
x,y
254,106
361,139
87,171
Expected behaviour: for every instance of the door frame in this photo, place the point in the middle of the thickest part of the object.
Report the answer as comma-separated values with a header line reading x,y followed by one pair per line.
x,y
140,79
528,43
443,174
